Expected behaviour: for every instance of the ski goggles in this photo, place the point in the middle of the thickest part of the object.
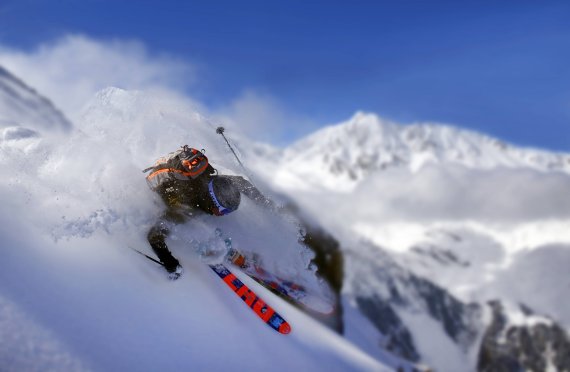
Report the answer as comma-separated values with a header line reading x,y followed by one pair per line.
x,y
218,209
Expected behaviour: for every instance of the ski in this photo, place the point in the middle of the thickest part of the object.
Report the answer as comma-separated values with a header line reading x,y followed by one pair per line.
x,y
259,307
286,289
265,312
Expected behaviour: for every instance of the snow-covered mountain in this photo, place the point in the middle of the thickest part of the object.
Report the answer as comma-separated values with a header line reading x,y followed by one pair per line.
x,y
339,157
451,247
435,224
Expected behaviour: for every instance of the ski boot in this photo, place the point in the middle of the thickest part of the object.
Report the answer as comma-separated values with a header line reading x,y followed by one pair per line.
x,y
243,261
174,274
236,258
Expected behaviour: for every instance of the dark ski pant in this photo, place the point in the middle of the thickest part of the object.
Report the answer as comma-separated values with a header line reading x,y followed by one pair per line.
x,y
158,234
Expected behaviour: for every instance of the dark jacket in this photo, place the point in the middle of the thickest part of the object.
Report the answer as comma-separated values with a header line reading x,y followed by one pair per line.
x,y
184,199
192,194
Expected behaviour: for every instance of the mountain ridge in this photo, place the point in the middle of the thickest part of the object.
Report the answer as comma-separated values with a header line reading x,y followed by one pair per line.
x,y
342,155
23,107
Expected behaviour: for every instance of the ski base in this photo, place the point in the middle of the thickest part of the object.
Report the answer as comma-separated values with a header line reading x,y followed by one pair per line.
x,y
266,313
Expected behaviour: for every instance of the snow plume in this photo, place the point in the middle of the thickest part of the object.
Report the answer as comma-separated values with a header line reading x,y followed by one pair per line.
x,y
73,68
74,297
70,70
262,117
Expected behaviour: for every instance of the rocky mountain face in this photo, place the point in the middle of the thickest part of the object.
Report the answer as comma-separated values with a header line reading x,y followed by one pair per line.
x,y
24,112
389,294
538,344
512,340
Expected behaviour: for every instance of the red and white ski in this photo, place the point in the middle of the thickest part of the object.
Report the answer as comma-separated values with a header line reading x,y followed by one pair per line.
x,y
259,307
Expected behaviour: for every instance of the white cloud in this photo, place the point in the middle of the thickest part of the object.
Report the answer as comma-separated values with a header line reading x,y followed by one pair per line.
x,y
71,69
262,117
454,193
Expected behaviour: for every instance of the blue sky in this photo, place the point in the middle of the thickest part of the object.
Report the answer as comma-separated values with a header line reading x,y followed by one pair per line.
x,y
502,68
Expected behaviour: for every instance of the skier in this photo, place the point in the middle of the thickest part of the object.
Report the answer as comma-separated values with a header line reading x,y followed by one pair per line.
x,y
189,186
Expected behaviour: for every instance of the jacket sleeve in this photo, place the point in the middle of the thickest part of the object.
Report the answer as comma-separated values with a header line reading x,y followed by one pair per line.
x,y
246,188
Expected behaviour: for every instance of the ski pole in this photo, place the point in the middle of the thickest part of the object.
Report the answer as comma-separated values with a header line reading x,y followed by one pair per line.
x,y
220,130
147,256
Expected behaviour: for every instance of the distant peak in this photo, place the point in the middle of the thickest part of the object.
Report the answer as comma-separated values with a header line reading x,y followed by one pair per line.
x,y
110,92
113,97
362,119
363,116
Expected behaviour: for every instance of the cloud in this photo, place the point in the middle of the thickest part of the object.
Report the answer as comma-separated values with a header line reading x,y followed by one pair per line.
x,y
72,69
455,193
262,117
254,114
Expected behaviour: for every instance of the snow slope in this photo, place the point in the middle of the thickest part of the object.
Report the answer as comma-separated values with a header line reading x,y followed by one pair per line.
x,y
102,311
74,297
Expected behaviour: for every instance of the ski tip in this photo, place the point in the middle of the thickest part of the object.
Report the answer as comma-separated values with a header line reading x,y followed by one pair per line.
x,y
285,328
279,324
